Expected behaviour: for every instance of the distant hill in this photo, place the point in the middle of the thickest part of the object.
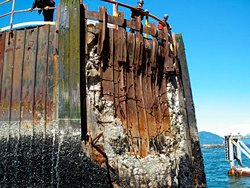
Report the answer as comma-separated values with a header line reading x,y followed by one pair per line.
x,y
208,138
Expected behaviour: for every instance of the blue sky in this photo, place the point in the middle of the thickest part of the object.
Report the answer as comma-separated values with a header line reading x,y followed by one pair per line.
x,y
216,37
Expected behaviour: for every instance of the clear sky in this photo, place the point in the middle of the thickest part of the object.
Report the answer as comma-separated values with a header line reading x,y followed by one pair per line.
x,y
217,39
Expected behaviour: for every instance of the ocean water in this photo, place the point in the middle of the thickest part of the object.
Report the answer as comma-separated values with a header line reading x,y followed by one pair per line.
x,y
216,169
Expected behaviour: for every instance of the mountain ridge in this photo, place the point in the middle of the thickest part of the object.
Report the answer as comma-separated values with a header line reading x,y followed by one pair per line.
x,y
209,138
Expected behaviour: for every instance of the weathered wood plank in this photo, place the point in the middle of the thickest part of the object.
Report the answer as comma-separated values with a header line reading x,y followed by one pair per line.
x,y
167,66
86,34
28,82
118,44
7,76
133,24
164,106
140,71
27,104
189,105
92,15
122,75
50,108
2,49
150,46
154,53
51,83
149,30
169,61
55,140
102,29
157,87
174,43
136,65
107,78
132,118
40,102
123,38
116,20
69,60
122,94
74,60
163,87
17,76
147,88
64,63
83,61
117,52
41,75
69,86
163,116
9,127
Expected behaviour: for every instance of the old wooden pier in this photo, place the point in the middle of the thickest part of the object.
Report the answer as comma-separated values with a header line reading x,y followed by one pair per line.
x,y
84,102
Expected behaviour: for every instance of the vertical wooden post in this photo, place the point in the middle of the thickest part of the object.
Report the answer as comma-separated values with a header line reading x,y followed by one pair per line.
x,y
2,46
192,135
69,103
82,73
102,29
69,60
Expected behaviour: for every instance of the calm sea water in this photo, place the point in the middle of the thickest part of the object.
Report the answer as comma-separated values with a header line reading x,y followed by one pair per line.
x,y
216,170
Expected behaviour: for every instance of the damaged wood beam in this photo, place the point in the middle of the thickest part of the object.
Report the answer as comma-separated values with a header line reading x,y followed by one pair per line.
x,y
102,29
69,60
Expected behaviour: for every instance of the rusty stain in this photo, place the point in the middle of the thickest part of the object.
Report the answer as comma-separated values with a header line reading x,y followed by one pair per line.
x,y
18,61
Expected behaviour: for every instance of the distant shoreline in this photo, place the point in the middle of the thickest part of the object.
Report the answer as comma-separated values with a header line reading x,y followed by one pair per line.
x,y
212,146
